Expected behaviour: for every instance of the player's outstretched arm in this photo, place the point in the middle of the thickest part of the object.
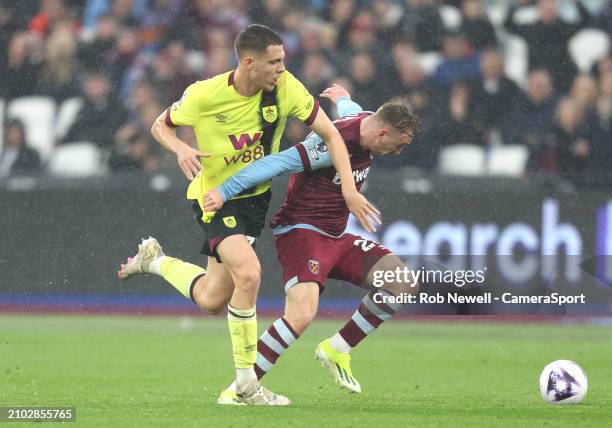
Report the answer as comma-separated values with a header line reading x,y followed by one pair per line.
x,y
187,157
357,204
286,162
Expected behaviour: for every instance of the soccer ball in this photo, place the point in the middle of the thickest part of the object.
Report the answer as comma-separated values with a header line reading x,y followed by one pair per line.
x,y
563,382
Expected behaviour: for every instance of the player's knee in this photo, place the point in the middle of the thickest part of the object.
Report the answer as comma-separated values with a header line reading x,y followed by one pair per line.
x,y
212,305
302,319
248,277
212,309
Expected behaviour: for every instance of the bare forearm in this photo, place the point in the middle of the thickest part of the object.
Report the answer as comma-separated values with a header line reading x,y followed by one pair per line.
x,y
188,157
165,135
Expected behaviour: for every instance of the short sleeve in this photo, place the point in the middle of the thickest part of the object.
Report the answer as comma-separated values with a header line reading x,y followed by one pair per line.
x,y
314,153
303,105
185,110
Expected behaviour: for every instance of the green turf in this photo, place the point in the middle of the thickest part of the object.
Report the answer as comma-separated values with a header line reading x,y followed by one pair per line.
x,y
168,372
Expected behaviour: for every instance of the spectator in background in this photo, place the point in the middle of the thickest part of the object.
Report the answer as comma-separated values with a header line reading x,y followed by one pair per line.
x,y
340,13
125,12
459,62
135,154
369,89
22,73
603,65
317,36
316,74
362,36
269,12
530,119
494,92
199,17
99,49
50,14
101,115
457,123
422,24
584,94
121,66
387,16
548,39
58,74
413,83
604,104
478,30
170,74
572,141
16,157
157,22
290,32
8,28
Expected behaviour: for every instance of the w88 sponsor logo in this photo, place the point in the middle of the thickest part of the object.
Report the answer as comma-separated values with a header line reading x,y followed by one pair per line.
x,y
246,156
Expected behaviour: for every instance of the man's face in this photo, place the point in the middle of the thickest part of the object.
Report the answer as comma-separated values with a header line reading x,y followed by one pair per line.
x,y
491,65
548,10
266,68
390,141
539,87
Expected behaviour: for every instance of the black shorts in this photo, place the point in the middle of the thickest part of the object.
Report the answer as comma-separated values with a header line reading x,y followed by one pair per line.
x,y
244,216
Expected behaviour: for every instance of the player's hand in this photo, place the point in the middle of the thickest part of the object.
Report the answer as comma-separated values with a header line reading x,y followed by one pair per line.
x,y
188,159
363,210
334,92
213,201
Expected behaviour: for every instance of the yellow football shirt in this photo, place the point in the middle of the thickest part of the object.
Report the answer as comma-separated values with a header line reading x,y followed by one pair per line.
x,y
228,126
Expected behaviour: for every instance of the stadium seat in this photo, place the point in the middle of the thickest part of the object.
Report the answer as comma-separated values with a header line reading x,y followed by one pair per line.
x,y
508,160
82,159
462,159
587,47
515,59
451,17
37,115
429,61
66,116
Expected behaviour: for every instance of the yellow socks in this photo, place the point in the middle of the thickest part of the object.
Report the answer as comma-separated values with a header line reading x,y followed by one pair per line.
x,y
178,273
243,331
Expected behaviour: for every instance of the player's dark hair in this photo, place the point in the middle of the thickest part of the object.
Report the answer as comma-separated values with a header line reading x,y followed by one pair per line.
x,y
399,114
257,38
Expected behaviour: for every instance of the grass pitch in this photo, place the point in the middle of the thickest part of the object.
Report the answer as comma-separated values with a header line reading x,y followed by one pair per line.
x,y
148,372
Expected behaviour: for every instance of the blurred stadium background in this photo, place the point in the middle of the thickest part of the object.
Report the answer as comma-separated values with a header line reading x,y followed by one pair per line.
x,y
513,156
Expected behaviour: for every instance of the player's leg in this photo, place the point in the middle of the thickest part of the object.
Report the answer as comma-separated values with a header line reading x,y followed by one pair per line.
x,y
209,290
361,259
213,291
301,306
375,308
303,271
240,259
300,309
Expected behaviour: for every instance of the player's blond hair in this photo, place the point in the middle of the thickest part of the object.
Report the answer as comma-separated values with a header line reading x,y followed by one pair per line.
x,y
399,114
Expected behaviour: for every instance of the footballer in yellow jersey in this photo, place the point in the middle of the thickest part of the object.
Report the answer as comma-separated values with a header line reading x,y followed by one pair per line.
x,y
230,127
238,118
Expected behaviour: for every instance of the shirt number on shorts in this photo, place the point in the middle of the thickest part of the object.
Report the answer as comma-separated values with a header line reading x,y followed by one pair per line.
x,y
365,244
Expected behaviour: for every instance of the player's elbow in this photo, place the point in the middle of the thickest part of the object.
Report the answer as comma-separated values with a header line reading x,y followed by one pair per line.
x,y
155,128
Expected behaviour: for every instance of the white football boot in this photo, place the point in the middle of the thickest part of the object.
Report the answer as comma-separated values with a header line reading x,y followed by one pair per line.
x,y
148,251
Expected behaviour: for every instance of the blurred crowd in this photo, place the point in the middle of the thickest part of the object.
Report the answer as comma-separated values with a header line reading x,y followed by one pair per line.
x,y
129,59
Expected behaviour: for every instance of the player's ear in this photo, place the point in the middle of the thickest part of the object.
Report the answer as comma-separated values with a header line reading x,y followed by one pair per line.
x,y
248,61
